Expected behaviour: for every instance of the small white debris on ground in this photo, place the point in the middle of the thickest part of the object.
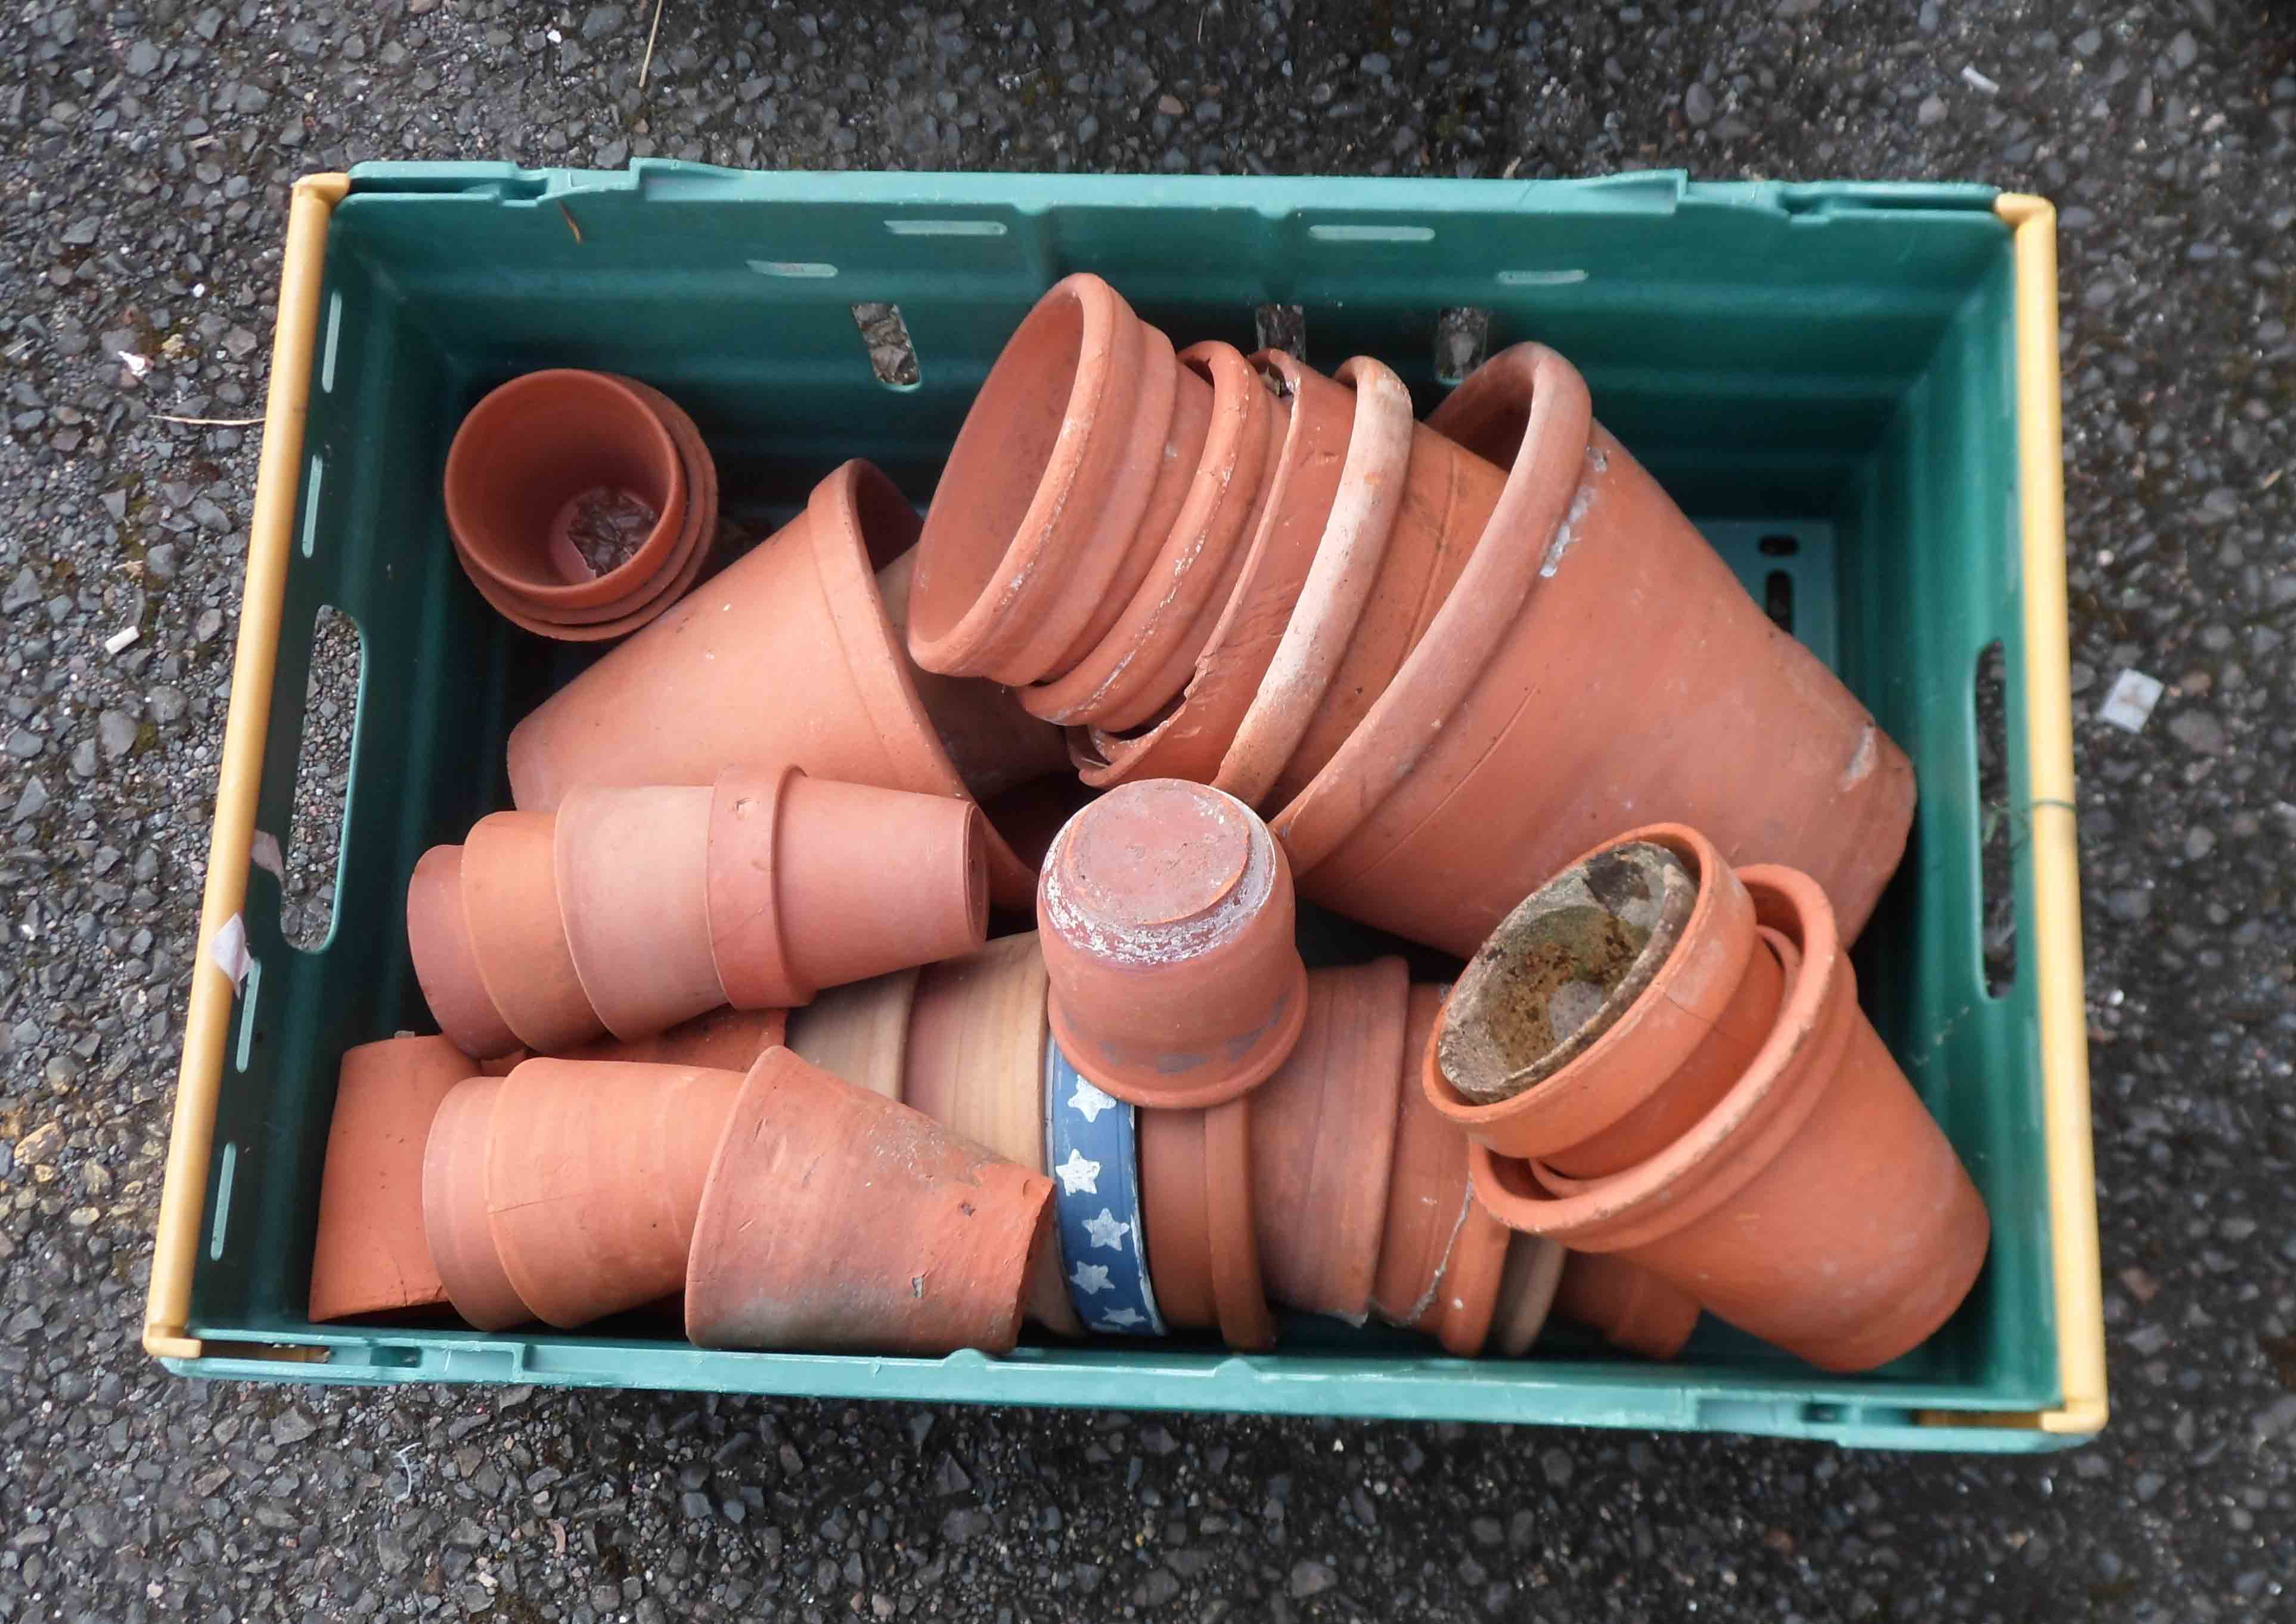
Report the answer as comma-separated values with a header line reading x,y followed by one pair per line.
x,y
1979,83
125,637
2129,704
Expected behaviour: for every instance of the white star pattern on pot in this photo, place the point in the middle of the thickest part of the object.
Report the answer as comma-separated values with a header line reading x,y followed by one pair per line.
x,y
1090,1277
1116,1319
1088,1101
1108,1230
1080,1174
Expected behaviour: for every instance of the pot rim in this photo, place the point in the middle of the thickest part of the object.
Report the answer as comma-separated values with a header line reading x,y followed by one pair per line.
x,y
1596,1088
1337,585
457,1213
1743,1131
1246,1321
1440,674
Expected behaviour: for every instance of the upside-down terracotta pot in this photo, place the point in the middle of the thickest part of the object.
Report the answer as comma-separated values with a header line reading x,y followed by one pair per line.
x,y
1166,912
1595,661
455,1222
1074,460
593,1173
446,959
518,932
1611,1010
371,1256
788,657
1191,735
1817,1205
1631,1306
581,503
935,1241
1198,1206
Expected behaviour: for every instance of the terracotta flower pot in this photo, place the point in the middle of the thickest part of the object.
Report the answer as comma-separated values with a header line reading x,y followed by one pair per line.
x,y
454,1220
1611,1010
582,505
1594,658
935,1240
1167,917
1191,737
593,1173
859,1033
632,871
1203,1249
723,1039
1817,1205
1632,1307
371,1256
1323,1141
445,960
1146,655
518,931
786,658
1073,463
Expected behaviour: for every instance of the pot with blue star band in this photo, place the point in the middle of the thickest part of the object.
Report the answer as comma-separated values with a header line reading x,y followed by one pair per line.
x,y
1092,1147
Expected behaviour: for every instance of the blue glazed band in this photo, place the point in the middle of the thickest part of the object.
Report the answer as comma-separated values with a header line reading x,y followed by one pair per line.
x,y
1093,1146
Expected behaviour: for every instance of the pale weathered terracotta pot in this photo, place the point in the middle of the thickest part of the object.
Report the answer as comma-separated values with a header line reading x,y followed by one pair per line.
x,y
518,931
1611,1010
1597,663
723,1039
936,1242
371,1256
788,657
860,1031
1817,1205
455,1222
445,960
1167,917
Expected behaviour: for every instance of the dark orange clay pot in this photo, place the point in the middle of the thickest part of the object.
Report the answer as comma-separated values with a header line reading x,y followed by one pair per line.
x,y
1631,1306
445,961
1596,658
1167,917
517,933
455,1209
593,1173
1073,463
371,1256
935,1243
1610,1011
786,658
1197,1204
1190,737
1817,1206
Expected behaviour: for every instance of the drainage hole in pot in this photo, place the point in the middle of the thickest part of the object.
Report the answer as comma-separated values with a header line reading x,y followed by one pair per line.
x,y
2000,828
886,337
323,774
1778,599
1779,545
1283,327
1463,338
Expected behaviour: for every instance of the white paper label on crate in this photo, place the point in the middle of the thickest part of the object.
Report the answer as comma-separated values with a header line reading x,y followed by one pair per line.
x,y
228,950
2129,702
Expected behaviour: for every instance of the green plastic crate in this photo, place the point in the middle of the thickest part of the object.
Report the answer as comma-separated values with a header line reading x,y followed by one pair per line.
x,y
1829,378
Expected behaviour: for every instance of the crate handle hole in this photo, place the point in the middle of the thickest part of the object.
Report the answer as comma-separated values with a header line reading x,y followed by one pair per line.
x,y
886,338
332,693
227,1171
1779,545
1283,327
1463,338
1777,600
2000,828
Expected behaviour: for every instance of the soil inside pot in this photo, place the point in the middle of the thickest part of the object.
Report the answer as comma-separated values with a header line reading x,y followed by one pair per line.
x,y
607,526
1563,967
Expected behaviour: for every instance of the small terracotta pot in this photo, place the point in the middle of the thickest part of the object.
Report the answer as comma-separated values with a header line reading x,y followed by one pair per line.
x,y
1611,1010
518,931
1167,917
1817,1206
935,1241
371,1256
813,883
1203,1250
1595,657
723,1039
632,871
455,1222
544,450
859,1033
445,961
1072,462
1323,1141
1145,657
975,1057
1632,1307
786,658
1190,739
593,1173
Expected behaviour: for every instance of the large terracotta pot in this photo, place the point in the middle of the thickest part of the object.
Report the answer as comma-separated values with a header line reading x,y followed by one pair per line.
x,y
593,1173
1817,1205
1596,658
371,1256
518,931
454,1221
1197,1199
860,1033
786,658
581,503
1192,737
935,1240
1073,461
1611,1010
1166,912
